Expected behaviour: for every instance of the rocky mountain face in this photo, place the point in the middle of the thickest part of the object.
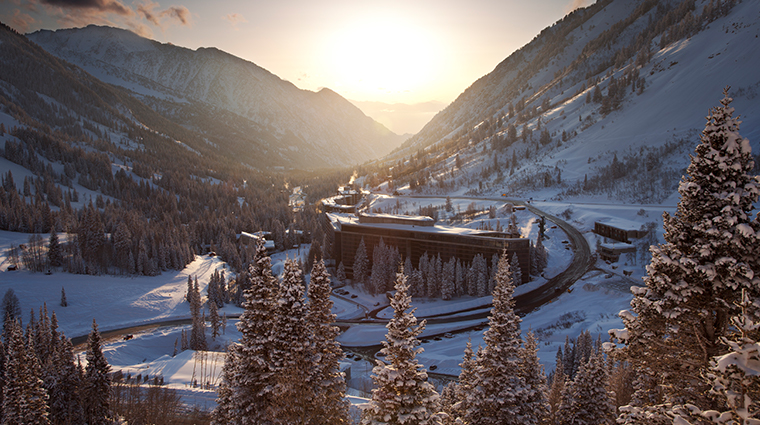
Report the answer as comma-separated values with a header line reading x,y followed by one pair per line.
x,y
305,128
605,103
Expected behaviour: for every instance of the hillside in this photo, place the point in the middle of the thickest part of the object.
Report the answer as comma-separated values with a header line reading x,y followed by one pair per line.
x,y
604,104
306,129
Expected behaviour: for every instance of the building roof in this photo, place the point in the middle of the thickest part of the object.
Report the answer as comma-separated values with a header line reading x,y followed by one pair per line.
x,y
337,220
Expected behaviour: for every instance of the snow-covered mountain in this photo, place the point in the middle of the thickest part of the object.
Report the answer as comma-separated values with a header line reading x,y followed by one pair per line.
x,y
605,103
312,129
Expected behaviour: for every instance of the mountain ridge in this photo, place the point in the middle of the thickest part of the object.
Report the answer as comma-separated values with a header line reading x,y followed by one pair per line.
x,y
333,133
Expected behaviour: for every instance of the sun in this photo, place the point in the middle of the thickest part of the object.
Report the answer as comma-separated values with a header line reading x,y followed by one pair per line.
x,y
374,57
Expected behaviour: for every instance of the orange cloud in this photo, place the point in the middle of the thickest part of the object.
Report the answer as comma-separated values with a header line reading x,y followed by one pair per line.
x,y
105,6
21,22
174,13
235,19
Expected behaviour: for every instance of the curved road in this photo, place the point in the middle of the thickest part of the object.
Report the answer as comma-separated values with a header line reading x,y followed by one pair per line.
x,y
524,303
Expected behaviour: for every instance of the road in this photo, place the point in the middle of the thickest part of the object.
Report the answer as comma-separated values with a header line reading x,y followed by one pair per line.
x,y
524,303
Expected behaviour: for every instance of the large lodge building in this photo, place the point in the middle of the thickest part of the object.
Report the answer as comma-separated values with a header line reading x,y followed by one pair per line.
x,y
415,236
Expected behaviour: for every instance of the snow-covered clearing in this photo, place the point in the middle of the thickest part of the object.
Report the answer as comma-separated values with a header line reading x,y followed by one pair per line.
x,y
116,302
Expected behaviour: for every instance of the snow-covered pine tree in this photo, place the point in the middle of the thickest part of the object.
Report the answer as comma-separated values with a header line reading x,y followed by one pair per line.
x,y
423,267
501,395
481,275
64,301
361,265
24,397
189,293
216,321
537,406
97,381
554,397
492,273
247,378
10,309
341,273
734,376
586,399
403,394
569,359
292,355
695,279
64,384
54,254
447,279
463,390
516,270
330,405
459,276
198,330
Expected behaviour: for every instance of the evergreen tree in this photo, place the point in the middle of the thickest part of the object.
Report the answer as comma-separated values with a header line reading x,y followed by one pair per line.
x,y
361,264
216,321
501,395
403,394
198,330
24,397
447,279
516,270
54,254
586,400
330,405
554,397
694,279
247,378
64,301
537,406
97,381
467,383
64,385
341,273
459,279
734,376
11,309
293,392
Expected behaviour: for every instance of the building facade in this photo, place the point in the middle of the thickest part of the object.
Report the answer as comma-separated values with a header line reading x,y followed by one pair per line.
x,y
415,236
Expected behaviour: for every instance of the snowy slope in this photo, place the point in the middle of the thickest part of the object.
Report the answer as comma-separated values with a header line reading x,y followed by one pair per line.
x,y
560,68
322,126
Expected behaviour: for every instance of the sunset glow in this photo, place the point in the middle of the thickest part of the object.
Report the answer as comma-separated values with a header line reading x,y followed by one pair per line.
x,y
381,58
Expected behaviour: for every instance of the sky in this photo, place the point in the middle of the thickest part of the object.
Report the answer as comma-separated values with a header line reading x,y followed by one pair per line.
x,y
395,51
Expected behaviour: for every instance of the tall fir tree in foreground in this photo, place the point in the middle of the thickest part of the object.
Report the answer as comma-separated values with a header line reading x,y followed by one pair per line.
x,y
734,376
331,406
403,394
586,399
244,395
462,390
501,396
695,279
293,391
537,405
97,381
24,397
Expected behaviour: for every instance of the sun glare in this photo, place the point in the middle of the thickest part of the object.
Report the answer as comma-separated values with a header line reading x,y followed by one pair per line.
x,y
377,57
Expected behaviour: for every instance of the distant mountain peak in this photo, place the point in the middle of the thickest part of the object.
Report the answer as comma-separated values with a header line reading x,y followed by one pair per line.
x,y
303,123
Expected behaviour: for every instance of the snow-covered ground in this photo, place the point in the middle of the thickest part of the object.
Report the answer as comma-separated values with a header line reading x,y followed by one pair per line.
x,y
116,302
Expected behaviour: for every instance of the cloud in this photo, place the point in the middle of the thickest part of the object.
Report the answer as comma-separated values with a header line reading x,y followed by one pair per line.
x,y
178,14
235,19
105,6
21,22
575,4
